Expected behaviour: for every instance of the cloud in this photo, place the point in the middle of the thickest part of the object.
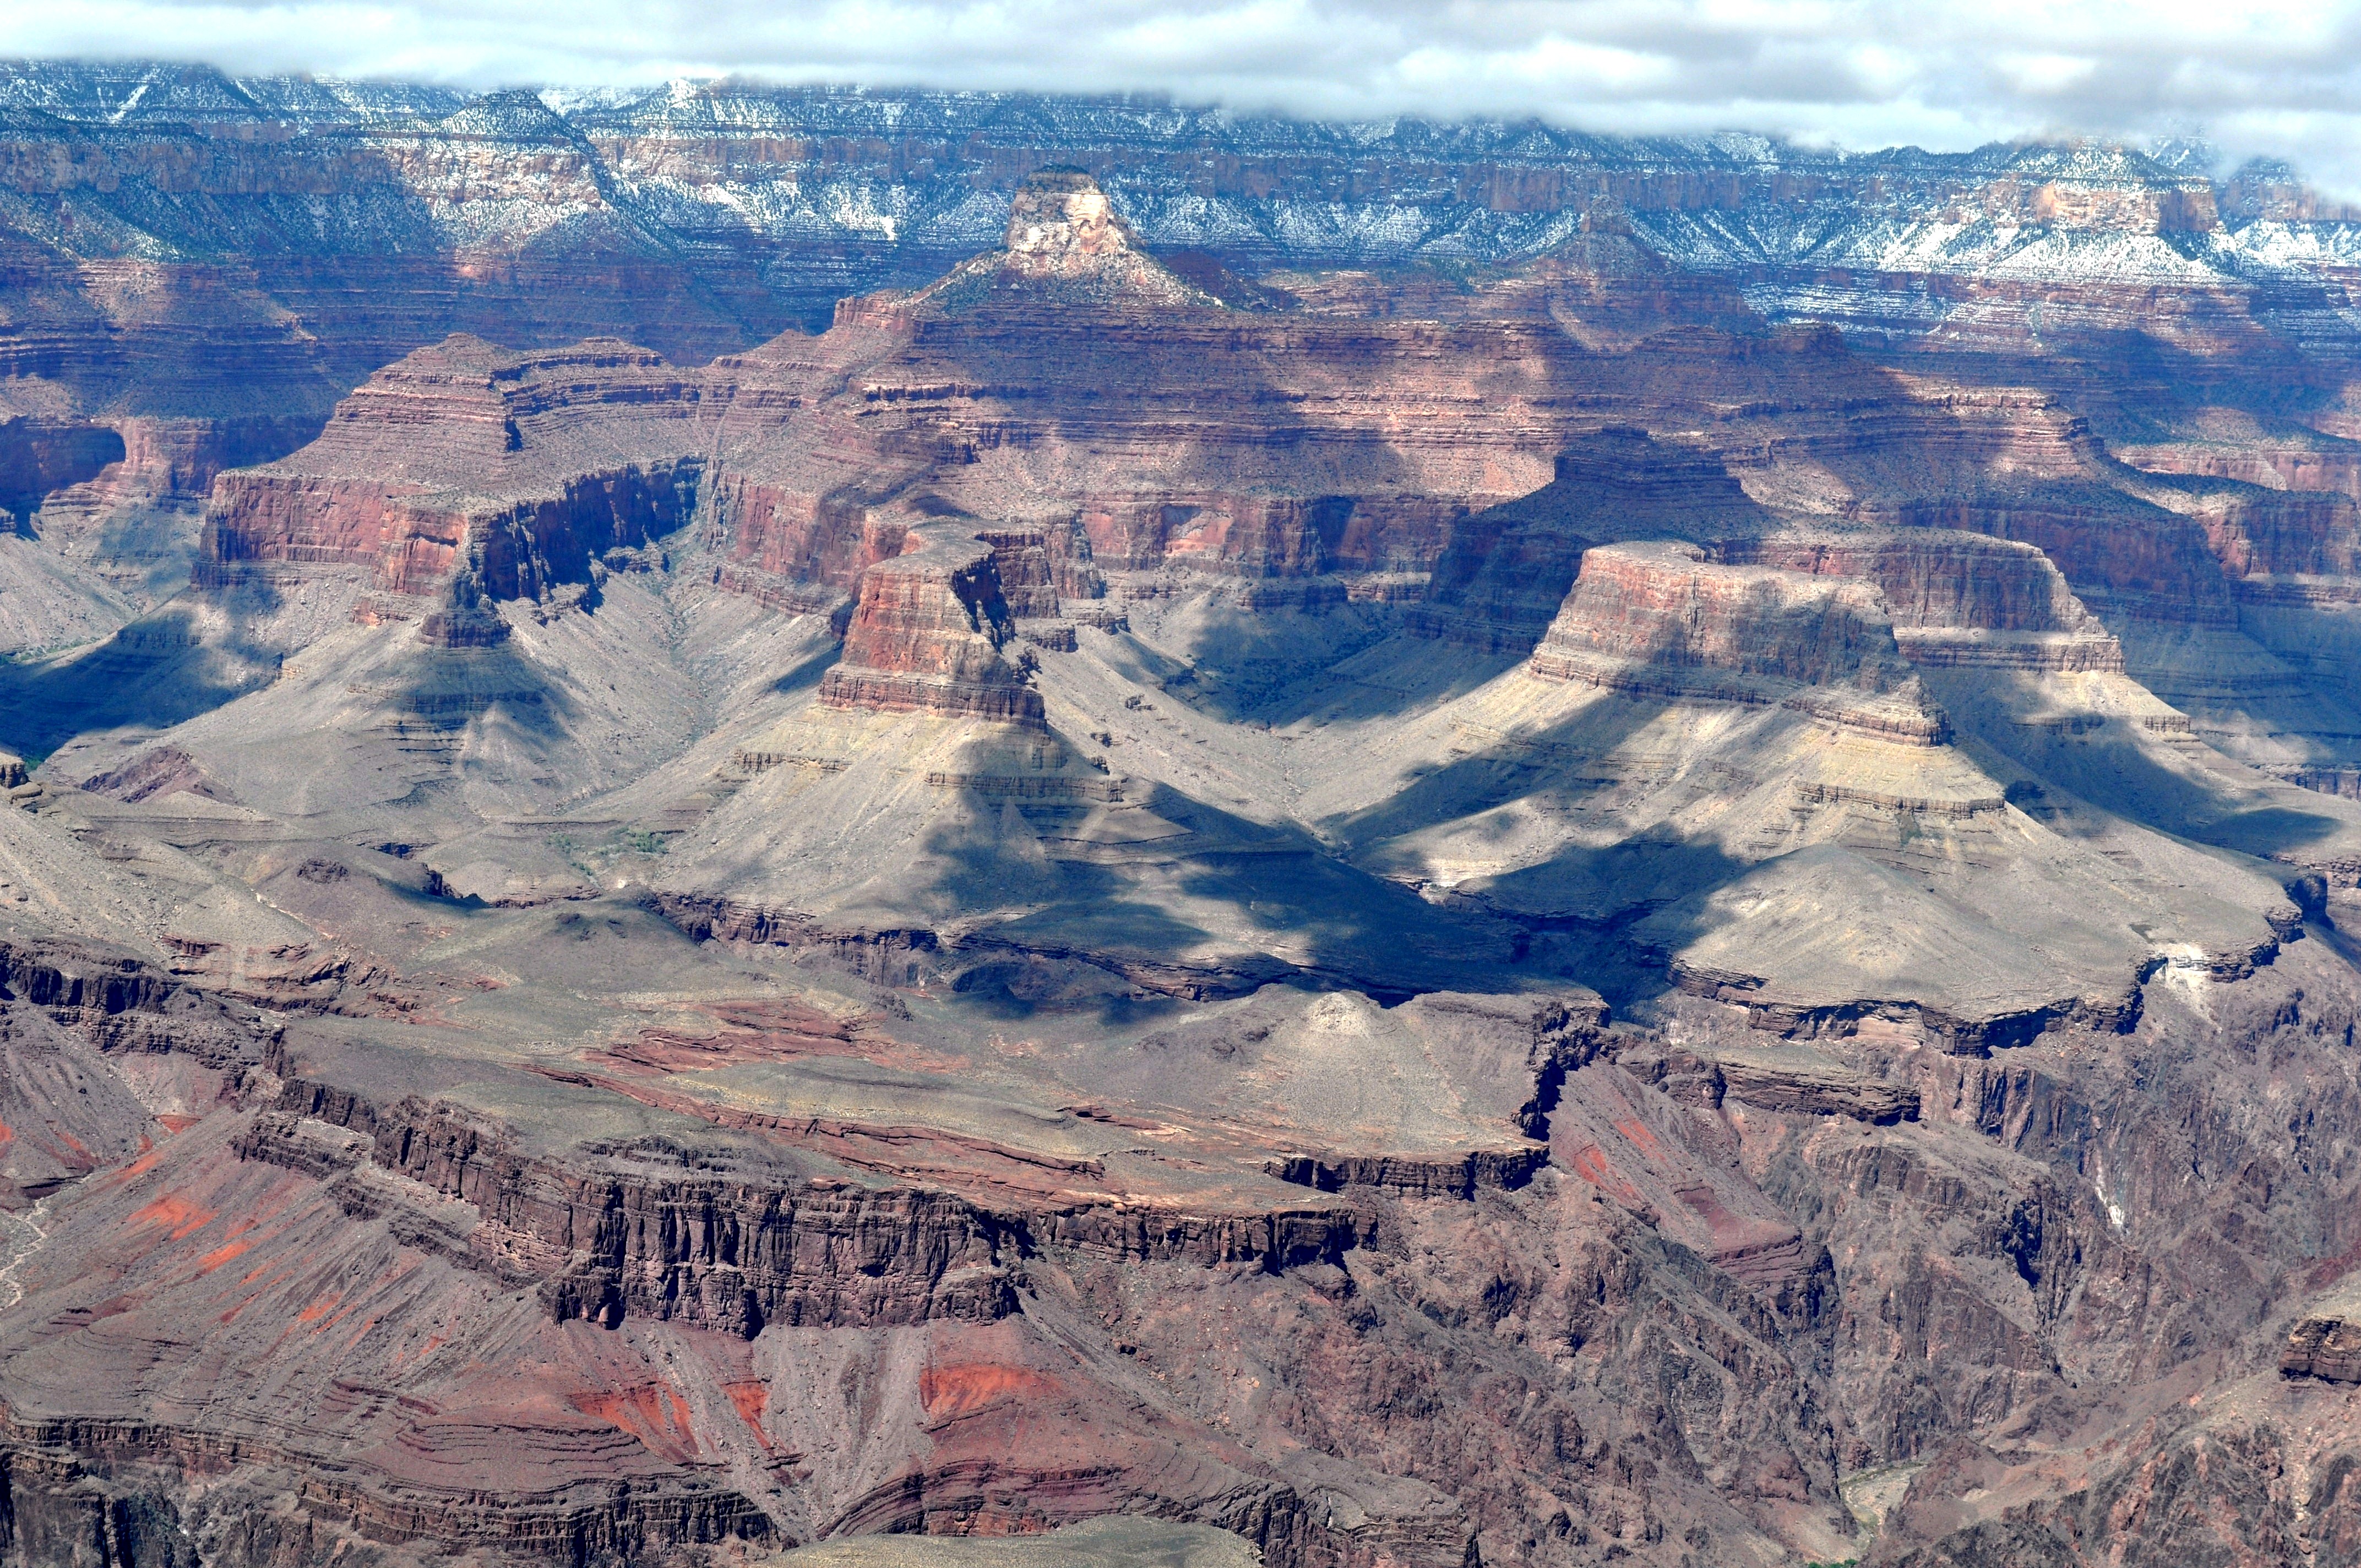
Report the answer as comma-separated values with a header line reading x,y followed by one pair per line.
x,y
2276,79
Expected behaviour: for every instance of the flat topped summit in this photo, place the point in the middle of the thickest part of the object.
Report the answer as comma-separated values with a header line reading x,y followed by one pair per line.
x,y
1065,245
1657,619
467,415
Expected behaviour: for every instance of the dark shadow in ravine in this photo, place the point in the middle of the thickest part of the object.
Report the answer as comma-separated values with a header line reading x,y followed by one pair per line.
x,y
2111,772
151,674
1403,673
1569,909
1505,570
1290,907
806,675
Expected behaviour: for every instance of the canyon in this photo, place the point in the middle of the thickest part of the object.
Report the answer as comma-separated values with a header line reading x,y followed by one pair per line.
x,y
754,821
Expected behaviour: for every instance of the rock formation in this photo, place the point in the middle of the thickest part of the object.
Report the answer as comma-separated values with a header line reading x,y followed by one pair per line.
x,y
2324,1347
1958,598
1439,845
1065,246
463,460
1660,620
1500,580
926,633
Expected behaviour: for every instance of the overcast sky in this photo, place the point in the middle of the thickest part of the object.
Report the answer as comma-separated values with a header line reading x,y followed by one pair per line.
x,y
2279,79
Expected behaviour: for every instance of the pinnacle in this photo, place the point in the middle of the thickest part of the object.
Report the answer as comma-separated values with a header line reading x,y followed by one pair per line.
x,y
1061,220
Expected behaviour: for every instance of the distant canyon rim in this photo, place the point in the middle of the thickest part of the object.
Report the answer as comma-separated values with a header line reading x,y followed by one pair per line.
x,y
744,820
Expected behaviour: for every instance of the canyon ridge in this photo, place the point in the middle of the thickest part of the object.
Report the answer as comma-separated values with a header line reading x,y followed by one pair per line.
x,y
746,820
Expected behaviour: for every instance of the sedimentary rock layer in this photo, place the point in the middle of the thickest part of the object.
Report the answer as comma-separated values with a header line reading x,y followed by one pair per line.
x,y
1956,599
927,635
1659,621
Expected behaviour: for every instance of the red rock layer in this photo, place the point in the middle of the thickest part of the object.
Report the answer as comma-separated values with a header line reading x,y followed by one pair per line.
x,y
1665,604
412,545
926,637
1956,599
521,468
2121,556
797,536
2244,450
1039,567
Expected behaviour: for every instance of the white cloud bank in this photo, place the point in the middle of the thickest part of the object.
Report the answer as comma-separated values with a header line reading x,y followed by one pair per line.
x,y
2282,78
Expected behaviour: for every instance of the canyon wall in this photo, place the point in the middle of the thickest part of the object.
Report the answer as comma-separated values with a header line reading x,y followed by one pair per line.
x,y
309,233
927,635
1957,598
1658,620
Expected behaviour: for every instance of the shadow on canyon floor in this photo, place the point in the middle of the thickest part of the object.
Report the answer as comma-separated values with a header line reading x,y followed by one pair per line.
x,y
1568,909
153,673
1228,907
806,675
2123,779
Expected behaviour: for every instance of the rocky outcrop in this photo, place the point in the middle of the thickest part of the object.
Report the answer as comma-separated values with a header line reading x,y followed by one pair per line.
x,y
1042,566
729,1258
1065,245
517,470
2121,555
1414,1176
1660,621
1818,1091
1501,581
732,1256
780,538
1955,598
926,636
2325,1346
413,544
1664,604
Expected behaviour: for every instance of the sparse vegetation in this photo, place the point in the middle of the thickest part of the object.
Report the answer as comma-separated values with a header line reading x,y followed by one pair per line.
x,y
568,850
596,861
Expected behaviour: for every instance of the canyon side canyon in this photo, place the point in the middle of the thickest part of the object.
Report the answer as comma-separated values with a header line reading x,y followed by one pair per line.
x,y
748,821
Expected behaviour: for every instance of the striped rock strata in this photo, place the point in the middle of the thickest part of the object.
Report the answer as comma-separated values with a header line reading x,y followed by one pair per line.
x,y
1659,621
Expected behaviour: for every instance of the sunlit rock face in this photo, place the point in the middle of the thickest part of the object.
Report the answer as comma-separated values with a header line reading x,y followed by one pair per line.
x,y
1659,620
1665,604
926,633
740,818
1062,223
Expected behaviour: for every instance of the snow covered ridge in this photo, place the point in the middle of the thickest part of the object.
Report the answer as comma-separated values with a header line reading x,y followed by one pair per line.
x,y
831,190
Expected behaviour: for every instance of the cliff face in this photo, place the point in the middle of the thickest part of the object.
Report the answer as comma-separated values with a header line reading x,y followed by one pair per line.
x,y
1665,604
1958,598
926,633
1446,991
520,470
